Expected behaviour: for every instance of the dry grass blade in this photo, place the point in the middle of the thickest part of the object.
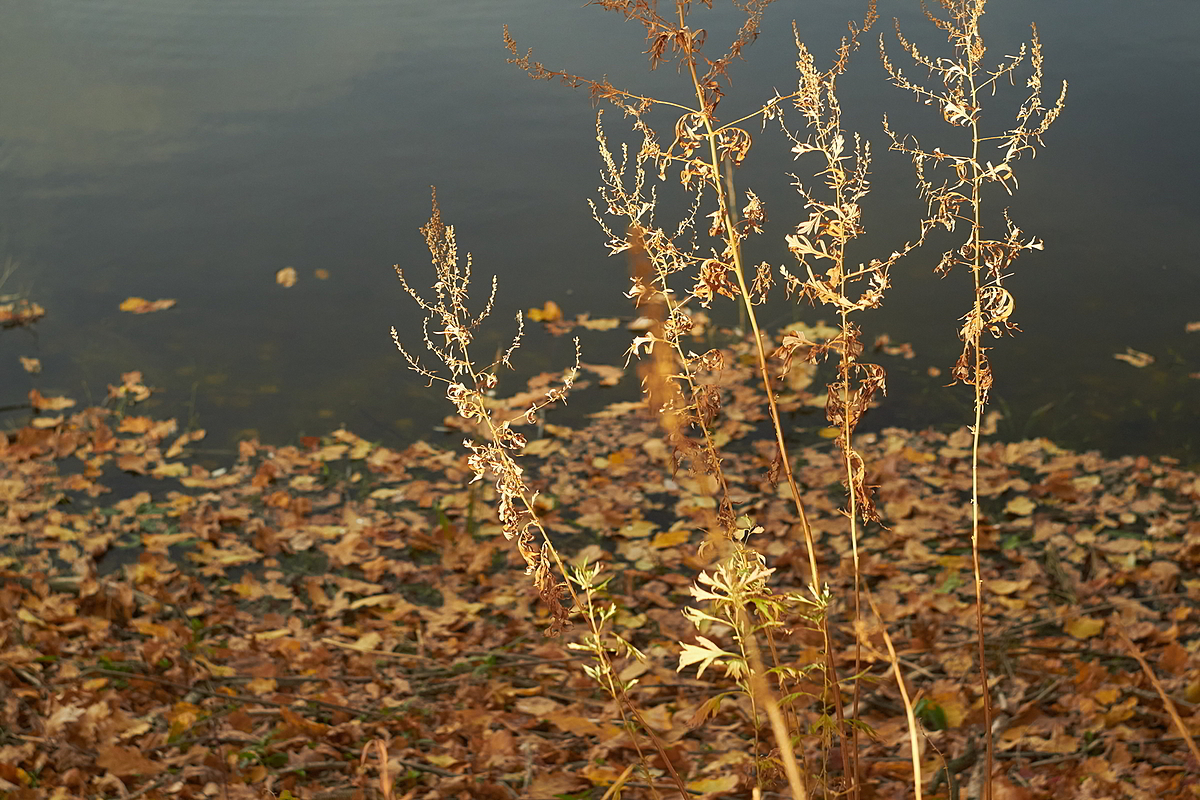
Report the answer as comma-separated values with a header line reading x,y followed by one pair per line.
x,y
910,716
1158,687
379,747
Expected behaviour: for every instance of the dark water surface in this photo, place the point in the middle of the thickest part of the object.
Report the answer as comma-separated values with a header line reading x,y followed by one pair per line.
x,y
188,149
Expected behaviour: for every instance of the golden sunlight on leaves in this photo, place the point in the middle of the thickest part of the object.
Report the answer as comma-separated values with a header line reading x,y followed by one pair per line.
x,y
1135,357
286,277
139,305
352,636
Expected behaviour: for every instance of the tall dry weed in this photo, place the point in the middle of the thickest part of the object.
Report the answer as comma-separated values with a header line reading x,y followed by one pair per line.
x,y
958,201
681,266
449,329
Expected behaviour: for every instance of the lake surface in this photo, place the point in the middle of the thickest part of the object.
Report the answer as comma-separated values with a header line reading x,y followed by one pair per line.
x,y
188,149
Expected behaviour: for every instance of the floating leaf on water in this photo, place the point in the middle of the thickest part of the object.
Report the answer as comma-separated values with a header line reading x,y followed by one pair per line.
x,y
41,403
1135,357
140,305
550,312
22,312
609,376
286,277
602,324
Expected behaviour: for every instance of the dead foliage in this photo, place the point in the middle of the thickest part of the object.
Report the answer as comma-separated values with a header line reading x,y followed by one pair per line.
x,y
270,620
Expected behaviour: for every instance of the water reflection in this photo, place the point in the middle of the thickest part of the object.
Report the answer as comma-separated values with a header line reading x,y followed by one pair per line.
x,y
168,148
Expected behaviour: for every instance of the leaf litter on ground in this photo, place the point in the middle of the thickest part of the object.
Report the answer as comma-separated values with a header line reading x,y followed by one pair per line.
x,y
253,628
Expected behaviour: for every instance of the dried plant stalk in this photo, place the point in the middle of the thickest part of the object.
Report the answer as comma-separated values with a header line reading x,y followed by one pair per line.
x,y
964,81
466,387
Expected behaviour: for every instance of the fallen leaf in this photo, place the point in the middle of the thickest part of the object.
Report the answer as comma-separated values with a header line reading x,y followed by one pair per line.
x,y
321,274
547,313
1192,327
1085,627
20,313
1002,586
1135,357
726,783
131,387
140,305
602,324
609,376
125,761
286,277
1020,506
671,538
637,529
41,403
136,425
548,785
579,726
541,707
31,365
